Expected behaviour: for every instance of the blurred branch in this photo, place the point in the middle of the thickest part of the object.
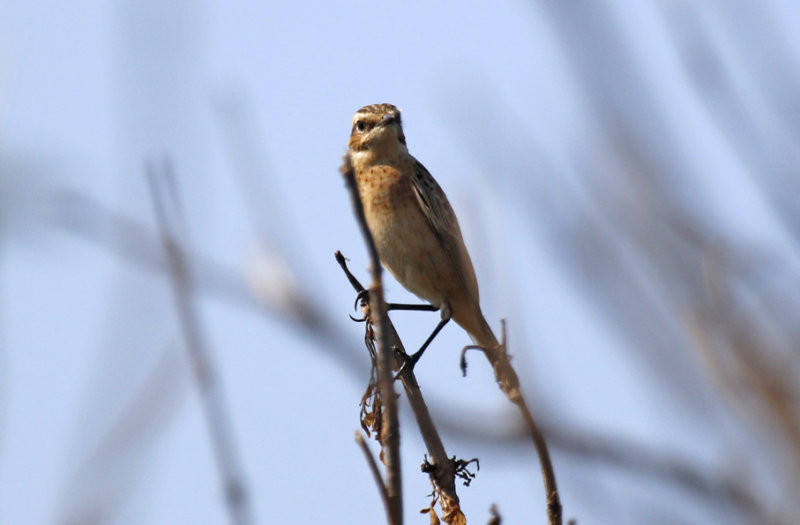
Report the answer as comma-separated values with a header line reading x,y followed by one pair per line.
x,y
585,231
684,473
257,183
725,492
97,490
172,230
756,367
496,518
137,244
768,380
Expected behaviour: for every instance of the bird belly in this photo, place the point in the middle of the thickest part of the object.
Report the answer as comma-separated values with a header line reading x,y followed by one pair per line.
x,y
407,246
411,255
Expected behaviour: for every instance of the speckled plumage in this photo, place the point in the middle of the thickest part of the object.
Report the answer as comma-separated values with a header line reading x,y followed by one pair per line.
x,y
414,226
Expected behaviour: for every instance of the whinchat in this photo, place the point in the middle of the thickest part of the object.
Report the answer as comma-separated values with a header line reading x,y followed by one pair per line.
x,y
414,226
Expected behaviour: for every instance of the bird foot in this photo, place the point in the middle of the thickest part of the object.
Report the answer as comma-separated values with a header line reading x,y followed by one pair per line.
x,y
409,361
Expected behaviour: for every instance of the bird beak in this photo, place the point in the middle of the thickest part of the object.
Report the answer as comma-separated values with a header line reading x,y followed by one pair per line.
x,y
387,119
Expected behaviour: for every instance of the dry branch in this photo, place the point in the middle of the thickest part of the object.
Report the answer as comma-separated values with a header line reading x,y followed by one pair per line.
x,y
508,381
373,468
390,428
443,473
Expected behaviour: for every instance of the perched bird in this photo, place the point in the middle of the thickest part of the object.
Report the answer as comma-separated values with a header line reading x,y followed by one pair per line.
x,y
414,227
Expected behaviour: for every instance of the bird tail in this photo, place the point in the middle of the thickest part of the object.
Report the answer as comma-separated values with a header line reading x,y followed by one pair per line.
x,y
483,336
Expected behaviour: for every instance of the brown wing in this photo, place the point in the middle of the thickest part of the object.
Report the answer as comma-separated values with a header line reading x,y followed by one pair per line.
x,y
443,222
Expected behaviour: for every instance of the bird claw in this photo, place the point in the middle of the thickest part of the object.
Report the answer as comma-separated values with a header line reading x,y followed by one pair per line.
x,y
463,361
362,299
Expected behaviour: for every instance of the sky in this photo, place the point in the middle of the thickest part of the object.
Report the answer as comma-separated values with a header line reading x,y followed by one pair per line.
x,y
251,103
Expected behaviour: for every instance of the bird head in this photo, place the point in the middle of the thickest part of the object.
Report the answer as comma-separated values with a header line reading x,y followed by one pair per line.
x,y
377,131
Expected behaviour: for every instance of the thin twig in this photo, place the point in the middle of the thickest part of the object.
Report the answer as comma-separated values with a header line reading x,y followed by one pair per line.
x,y
508,381
554,509
496,518
373,468
391,427
172,229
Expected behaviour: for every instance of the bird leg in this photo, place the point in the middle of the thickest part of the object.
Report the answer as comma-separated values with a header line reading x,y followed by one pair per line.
x,y
409,361
362,299
411,307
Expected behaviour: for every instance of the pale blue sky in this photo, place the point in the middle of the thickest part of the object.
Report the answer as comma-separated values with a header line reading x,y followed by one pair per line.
x,y
90,89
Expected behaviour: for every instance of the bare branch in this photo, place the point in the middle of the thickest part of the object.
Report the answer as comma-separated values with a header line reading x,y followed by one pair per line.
x,y
508,381
443,473
390,428
376,473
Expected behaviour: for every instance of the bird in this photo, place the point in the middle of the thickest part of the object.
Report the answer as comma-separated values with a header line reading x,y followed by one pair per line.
x,y
415,229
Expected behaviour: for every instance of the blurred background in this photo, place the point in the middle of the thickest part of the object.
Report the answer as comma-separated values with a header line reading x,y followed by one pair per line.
x,y
626,177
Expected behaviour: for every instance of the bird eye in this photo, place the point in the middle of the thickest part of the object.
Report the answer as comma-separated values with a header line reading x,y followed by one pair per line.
x,y
360,125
